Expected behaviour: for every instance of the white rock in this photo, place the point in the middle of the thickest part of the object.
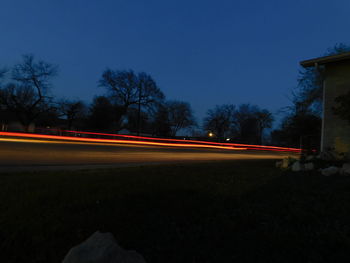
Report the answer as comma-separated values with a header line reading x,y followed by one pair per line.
x,y
328,155
330,171
309,166
279,164
297,167
345,169
310,158
101,248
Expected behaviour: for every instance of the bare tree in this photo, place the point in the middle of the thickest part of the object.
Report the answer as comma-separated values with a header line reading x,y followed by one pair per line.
x,y
102,115
128,89
148,95
245,123
265,120
122,86
219,120
250,122
299,128
27,93
161,125
72,110
180,115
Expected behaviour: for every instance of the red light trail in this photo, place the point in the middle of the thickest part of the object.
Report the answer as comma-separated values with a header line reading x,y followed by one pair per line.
x,y
141,140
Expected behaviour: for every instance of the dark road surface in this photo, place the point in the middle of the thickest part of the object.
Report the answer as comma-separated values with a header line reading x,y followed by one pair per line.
x,y
32,154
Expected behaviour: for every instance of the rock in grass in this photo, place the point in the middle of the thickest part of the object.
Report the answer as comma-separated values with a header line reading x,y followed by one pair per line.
x,y
345,170
278,164
309,166
297,167
101,248
330,171
310,158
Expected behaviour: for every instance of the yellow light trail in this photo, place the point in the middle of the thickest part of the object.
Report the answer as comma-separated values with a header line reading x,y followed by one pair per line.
x,y
110,141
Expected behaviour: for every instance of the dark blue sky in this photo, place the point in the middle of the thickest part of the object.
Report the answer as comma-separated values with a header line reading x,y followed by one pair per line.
x,y
206,52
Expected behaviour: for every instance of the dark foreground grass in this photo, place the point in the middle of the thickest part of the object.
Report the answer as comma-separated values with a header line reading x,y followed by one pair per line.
x,y
243,211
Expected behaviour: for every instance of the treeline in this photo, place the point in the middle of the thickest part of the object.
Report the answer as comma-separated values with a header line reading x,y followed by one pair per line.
x,y
133,101
245,123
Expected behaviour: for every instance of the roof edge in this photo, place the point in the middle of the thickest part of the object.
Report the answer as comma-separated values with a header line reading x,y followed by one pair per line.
x,y
325,60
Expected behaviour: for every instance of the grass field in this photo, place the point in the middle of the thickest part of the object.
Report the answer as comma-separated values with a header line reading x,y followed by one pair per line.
x,y
238,211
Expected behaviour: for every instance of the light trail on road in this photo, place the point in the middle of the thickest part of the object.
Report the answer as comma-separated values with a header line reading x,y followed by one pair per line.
x,y
140,140
247,146
47,152
79,139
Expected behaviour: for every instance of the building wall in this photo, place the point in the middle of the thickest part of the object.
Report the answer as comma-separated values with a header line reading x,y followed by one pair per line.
x,y
336,133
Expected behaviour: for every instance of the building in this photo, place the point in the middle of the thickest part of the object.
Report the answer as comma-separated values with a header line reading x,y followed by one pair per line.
x,y
336,82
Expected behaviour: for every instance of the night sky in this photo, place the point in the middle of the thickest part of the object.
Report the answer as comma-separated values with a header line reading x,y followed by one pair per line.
x,y
205,52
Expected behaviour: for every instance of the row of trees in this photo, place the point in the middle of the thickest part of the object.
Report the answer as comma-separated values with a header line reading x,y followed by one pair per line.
x,y
245,124
134,101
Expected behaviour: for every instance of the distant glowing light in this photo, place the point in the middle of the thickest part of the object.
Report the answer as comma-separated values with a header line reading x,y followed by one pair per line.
x,y
211,134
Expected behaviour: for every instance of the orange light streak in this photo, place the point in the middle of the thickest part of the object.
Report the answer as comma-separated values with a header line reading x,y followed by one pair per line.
x,y
154,142
246,146
69,138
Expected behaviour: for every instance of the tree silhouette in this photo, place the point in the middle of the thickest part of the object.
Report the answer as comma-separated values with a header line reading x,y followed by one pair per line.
x,y
127,89
27,92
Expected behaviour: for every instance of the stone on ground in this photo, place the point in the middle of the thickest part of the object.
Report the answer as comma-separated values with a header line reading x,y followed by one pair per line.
x,y
309,166
310,157
345,169
279,164
297,167
330,171
101,248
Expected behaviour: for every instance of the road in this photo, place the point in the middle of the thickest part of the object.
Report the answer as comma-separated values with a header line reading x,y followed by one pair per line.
x,y
18,154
